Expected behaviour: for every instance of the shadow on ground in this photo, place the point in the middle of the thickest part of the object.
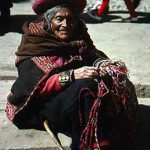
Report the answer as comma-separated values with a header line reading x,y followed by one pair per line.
x,y
15,25
114,16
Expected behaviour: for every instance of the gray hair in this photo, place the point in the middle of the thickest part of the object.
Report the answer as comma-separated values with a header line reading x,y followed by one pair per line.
x,y
48,15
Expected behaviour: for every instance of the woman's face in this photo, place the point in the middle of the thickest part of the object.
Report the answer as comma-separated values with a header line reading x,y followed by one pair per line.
x,y
63,24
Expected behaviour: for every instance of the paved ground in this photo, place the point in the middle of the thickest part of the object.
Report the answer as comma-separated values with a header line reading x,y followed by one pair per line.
x,y
126,41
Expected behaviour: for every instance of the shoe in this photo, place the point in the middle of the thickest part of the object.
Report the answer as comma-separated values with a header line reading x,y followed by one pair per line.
x,y
93,15
130,19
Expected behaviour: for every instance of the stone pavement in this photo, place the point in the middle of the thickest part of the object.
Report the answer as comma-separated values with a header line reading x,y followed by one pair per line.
x,y
126,41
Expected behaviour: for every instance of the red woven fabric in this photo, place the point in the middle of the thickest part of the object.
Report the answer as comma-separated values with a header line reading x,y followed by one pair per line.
x,y
52,85
40,6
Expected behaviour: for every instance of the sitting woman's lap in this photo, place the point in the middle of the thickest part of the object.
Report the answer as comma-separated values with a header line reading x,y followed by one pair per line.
x,y
59,107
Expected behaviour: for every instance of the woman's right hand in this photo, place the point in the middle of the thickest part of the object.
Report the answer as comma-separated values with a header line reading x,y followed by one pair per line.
x,y
86,72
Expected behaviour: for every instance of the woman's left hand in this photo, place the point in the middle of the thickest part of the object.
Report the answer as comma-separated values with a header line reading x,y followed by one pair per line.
x,y
89,72
102,72
86,72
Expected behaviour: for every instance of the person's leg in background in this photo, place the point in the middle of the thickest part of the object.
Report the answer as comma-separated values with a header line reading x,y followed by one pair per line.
x,y
102,8
98,11
5,12
133,16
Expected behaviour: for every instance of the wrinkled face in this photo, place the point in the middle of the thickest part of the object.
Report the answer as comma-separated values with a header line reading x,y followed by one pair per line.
x,y
63,24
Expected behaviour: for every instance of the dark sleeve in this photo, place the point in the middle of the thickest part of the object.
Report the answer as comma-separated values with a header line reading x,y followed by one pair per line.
x,y
92,53
28,76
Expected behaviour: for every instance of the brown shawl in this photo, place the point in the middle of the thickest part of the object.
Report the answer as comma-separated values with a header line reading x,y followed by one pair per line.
x,y
37,42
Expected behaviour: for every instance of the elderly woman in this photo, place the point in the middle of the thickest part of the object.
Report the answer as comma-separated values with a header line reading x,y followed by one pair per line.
x,y
64,80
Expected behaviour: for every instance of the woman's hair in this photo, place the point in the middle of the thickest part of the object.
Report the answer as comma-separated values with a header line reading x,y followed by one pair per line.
x,y
48,15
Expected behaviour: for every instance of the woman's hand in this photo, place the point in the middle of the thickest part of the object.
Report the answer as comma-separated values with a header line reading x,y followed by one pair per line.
x,y
102,72
87,72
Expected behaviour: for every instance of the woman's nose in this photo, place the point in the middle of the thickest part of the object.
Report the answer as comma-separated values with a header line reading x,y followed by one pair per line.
x,y
64,23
